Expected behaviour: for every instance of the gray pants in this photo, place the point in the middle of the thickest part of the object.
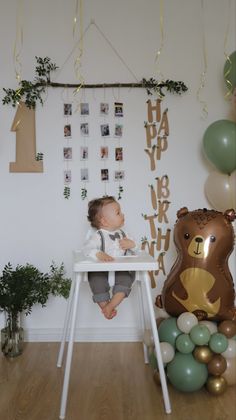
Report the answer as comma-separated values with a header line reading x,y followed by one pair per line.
x,y
98,282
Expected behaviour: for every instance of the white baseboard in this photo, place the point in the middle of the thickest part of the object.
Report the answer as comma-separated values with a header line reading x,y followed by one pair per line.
x,y
85,335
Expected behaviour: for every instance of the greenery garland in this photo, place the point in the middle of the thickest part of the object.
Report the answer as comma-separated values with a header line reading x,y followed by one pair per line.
x,y
31,92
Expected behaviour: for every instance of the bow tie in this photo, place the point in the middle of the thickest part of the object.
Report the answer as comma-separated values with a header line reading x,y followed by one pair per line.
x,y
115,236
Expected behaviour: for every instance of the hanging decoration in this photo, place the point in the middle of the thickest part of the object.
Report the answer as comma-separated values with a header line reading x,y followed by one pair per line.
x,y
78,19
27,160
18,44
31,92
229,68
205,67
157,132
219,146
67,150
158,54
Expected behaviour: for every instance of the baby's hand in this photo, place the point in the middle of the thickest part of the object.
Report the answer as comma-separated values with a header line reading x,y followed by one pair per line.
x,y
126,244
102,256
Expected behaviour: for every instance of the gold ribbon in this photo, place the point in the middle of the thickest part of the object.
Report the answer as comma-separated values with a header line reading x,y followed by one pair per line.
x,y
77,63
158,54
204,72
227,72
18,44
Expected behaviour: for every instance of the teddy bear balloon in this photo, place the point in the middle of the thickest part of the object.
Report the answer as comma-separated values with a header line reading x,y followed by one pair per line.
x,y
200,280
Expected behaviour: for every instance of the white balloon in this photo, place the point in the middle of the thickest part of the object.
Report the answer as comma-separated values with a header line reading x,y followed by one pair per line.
x,y
212,327
148,338
230,352
220,190
167,352
186,321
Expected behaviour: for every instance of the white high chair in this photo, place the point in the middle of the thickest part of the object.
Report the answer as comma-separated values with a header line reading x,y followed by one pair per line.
x,y
141,264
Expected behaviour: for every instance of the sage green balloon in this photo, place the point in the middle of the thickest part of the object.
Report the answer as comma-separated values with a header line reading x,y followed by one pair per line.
x,y
184,344
168,331
186,374
230,72
200,335
218,343
219,143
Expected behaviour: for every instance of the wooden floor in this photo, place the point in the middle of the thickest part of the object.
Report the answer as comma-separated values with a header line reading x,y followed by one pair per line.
x,y
109,381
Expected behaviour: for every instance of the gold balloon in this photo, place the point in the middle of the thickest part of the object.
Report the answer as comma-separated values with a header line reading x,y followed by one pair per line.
x,y
216,385
203,354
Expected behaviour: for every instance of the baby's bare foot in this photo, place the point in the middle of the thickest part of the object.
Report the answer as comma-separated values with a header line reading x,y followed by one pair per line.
x,y
108,311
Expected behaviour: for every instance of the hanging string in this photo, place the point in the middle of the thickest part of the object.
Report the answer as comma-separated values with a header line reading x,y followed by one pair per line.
x,y
18,44
115,50
158,54
204,72
228,68
81,39
72,51
78,59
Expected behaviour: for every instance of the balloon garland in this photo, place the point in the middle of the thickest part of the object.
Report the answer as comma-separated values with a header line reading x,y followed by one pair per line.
x,y
195,353
219,145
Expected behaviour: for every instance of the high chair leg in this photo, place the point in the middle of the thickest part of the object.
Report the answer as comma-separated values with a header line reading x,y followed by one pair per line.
x,y
70,347
157,345
66,324
142,316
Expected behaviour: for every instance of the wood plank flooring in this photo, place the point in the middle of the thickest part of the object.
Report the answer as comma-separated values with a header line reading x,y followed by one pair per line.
x,y
109,381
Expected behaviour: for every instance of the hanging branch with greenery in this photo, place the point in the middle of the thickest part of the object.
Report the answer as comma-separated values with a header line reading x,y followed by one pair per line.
x,y
31,92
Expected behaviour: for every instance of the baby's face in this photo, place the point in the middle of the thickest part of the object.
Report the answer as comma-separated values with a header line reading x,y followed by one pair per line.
x,y
111,216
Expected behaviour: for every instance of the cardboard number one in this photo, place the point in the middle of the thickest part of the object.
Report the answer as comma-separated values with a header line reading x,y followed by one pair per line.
x,y
24,126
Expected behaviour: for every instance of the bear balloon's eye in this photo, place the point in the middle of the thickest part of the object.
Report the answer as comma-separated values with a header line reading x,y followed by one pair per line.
x,y
186,236
212,238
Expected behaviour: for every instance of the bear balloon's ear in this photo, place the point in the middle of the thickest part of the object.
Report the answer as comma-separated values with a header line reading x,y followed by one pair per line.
x,y
230,215
182,212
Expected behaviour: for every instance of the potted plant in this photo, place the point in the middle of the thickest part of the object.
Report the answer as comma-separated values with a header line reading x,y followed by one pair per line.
x,y
20,289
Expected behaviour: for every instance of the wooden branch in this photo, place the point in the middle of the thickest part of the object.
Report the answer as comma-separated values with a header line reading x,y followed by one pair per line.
x,y
97,85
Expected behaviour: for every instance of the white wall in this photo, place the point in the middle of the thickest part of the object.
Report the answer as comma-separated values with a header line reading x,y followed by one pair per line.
x,y
37,224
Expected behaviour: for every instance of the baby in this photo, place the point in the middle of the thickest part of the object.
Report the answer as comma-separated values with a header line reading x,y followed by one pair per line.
x,y
107,242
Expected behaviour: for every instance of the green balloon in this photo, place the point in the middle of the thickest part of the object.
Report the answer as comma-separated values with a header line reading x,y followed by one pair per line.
x,y
219,143
200,335
168,331
218,343
230,72
186,374
184,344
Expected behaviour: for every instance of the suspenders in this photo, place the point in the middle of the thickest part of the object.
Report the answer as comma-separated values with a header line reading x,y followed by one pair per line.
x,y
102,247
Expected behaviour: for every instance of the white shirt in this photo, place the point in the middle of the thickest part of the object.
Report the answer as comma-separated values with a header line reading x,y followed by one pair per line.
x,y
112,247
